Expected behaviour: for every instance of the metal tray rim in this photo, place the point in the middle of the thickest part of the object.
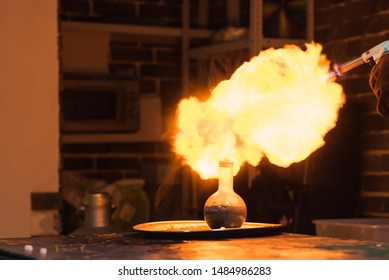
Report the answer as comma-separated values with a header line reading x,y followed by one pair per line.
x,y
199,229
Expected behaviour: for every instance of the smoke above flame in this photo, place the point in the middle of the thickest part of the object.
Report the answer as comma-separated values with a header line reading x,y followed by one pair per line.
x,y
279,105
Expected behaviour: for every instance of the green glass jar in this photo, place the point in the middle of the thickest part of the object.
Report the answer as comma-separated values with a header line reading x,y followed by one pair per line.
x,y
132,204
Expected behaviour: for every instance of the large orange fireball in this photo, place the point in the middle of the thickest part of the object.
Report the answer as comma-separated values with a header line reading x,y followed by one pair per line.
x,y
280,105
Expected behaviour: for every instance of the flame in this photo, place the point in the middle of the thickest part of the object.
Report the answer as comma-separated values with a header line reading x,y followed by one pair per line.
x,y
280,105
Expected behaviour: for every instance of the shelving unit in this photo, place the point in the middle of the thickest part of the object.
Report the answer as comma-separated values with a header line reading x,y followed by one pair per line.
x,y
256,40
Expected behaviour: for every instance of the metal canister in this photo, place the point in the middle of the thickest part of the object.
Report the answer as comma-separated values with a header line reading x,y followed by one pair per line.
x,y
97,209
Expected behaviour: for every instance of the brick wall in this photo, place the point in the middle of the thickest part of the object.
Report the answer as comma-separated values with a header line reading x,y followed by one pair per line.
x,y
346,29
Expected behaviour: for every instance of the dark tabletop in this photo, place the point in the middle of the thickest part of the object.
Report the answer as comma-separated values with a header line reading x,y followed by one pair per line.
x,y
137,246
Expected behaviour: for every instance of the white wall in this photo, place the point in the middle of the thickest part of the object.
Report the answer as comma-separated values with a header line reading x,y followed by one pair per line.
x,y
29,109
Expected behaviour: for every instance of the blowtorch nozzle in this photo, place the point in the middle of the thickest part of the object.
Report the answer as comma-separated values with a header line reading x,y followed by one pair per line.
x,y
371,56
340,69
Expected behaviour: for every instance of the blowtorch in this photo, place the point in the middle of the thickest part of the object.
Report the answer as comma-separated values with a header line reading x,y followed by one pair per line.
x,y
371,56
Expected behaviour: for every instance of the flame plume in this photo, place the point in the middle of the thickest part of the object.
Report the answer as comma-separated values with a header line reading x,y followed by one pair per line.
x,y
280,105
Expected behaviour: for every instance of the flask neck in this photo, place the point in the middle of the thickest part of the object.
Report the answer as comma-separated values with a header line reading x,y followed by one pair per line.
x,y
226,178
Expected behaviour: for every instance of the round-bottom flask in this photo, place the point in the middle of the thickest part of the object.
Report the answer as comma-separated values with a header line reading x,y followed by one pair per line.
x,y
225,208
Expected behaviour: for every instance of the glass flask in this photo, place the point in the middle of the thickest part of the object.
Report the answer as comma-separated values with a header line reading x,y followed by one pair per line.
x,y
225,208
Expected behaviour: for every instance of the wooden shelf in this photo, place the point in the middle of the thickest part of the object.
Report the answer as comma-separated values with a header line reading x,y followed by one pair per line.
x,y
281,42
218,48
132,29
108,138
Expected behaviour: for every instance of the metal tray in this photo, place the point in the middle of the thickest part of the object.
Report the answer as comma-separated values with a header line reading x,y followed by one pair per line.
x,y
197,229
